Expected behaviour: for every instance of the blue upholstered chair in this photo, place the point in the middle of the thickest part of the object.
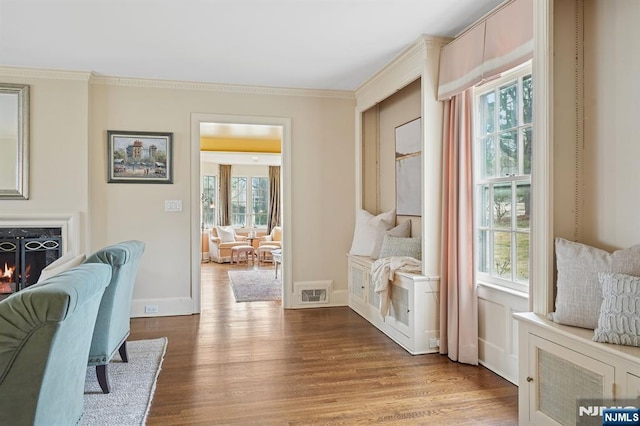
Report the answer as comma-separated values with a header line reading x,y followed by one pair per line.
x,y
45,334
113,323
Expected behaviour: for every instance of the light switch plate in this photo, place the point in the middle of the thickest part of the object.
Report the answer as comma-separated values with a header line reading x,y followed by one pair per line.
x,y
172,205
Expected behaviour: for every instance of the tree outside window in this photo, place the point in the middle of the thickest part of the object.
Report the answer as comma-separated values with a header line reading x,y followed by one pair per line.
x,y
209,199
260,201
239,202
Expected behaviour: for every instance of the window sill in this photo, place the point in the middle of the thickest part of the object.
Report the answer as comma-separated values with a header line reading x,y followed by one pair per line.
x,y
502,289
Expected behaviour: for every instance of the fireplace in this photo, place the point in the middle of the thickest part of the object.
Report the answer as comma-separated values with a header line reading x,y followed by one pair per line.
x,y
24,252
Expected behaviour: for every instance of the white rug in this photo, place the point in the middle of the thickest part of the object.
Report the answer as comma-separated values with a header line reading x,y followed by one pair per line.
x,y
132,386
254,286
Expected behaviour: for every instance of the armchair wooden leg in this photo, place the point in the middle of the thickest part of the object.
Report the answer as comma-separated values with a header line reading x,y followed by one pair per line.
x,y
103,379
123,352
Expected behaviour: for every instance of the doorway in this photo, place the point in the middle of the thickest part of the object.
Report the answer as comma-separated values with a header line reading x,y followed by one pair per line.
x,y
199,121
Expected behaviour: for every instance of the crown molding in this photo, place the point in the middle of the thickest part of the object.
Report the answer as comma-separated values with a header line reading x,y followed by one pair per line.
x,y
217,87
405,67
44,73
108,80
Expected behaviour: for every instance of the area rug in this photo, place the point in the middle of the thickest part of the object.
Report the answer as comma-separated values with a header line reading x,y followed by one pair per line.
x,y
254,286
132,385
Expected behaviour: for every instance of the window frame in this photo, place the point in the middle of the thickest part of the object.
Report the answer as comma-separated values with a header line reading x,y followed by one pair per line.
x,y
488,223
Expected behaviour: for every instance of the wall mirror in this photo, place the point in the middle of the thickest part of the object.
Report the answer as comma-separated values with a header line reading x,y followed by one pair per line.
x,y
14,141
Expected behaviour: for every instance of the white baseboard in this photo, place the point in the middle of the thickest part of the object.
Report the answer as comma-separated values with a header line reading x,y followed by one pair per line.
x,y
165,307
184,305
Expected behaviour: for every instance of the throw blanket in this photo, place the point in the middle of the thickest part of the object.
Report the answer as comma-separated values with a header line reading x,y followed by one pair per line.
x,y
383,273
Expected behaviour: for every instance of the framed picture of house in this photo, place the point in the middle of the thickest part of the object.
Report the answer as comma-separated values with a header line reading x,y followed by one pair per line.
x,y
139,157
409,168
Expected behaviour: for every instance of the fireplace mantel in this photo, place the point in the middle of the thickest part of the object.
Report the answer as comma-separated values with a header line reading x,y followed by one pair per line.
x,y
69,223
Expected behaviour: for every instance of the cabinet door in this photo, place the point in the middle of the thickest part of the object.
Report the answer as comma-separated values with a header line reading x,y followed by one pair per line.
x,y
559,378
633,386
400,316
358,278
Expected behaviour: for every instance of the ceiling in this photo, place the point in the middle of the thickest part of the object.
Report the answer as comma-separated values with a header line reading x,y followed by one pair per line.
x,y
242,138
311,44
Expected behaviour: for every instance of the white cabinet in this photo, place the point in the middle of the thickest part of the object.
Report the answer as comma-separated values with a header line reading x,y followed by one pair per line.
x,y
560,366
413,316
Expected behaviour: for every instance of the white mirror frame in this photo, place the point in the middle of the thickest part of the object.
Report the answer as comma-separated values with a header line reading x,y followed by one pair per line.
x,y
19,190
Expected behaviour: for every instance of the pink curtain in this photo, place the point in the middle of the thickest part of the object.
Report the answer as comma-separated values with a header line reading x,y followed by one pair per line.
x,y
458,302
225,194
274,198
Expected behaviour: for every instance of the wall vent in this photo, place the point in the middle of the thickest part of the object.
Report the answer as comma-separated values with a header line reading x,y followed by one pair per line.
x,y
313,292
318,295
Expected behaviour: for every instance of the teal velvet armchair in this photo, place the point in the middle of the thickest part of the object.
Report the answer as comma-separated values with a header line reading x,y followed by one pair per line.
x,y
113,322
45,333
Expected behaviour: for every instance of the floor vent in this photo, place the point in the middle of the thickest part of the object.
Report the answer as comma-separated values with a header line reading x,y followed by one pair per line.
x,y
318,295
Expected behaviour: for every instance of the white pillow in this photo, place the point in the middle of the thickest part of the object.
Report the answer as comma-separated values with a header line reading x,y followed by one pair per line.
x,y
68,261
366,229
578,290
226,234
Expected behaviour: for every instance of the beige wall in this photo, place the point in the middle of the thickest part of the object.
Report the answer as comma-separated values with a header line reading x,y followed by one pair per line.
x,y
380,122
612,107
322,159
396,110
566,141
370,160
70,118
595,122
58,146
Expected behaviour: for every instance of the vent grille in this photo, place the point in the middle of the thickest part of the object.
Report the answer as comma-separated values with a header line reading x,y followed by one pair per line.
x,y
317,295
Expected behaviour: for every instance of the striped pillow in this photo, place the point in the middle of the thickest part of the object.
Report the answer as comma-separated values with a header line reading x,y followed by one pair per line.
x,y
619,320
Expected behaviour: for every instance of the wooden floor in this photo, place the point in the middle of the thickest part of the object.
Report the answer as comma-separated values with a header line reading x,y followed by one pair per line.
x,y
255,363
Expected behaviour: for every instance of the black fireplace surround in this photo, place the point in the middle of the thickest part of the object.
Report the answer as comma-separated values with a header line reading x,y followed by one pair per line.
x,y
24,253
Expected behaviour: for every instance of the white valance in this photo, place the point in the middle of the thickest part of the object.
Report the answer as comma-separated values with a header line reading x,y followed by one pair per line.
x,y
501,41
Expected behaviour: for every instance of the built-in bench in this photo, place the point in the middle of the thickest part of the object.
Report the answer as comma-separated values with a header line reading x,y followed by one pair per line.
x,y
559,364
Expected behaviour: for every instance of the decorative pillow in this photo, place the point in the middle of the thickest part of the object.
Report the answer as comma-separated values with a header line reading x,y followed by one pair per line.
x,y
579,294
402,230
366,229
619,320
226,234
63,263
398,246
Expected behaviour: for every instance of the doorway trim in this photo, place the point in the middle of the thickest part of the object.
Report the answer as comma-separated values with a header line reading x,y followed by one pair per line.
x,y
196,232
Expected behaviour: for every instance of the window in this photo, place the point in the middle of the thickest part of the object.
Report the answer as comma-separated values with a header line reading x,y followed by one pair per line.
x,y
502,152
249,204
209,199
260,200
239,201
